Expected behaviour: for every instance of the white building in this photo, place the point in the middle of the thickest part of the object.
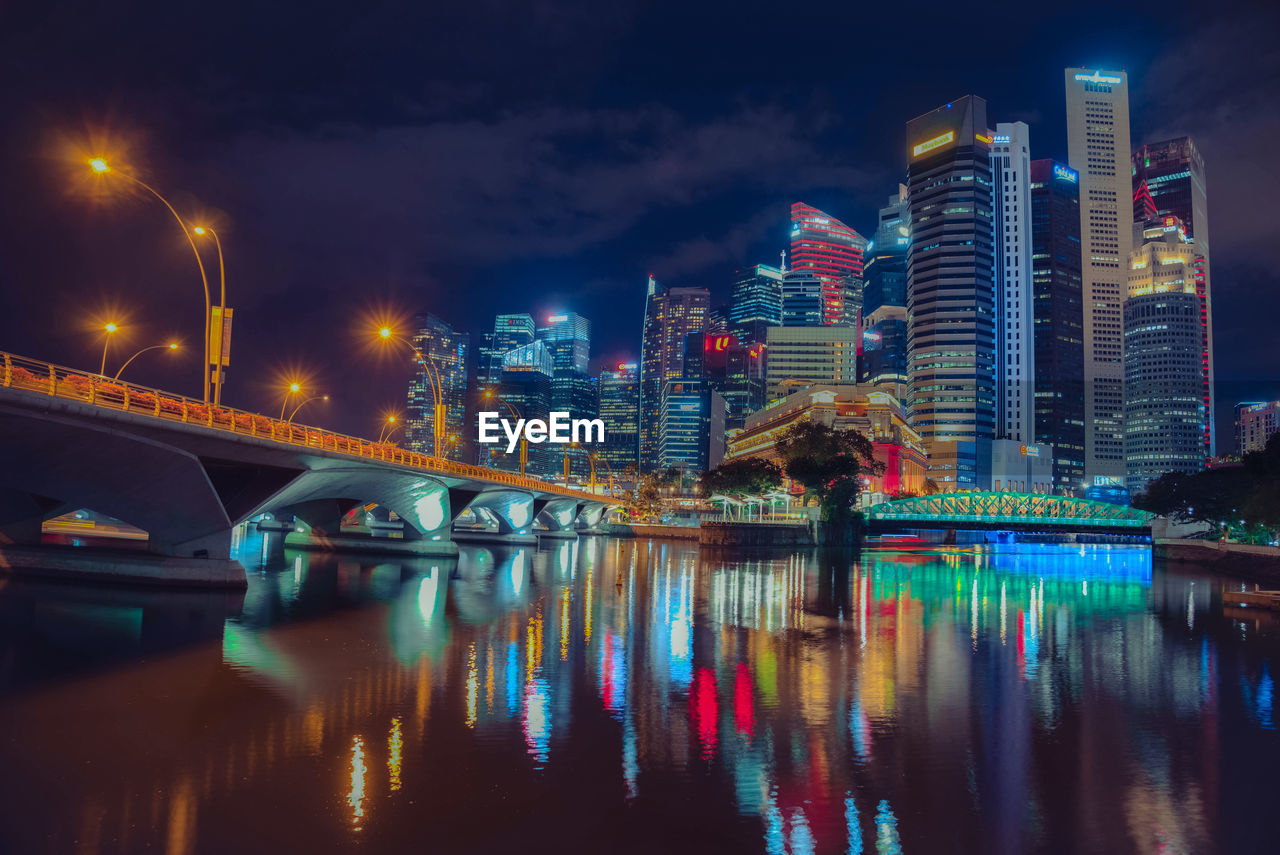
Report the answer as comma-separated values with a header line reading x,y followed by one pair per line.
x,y
1015,338
1098,148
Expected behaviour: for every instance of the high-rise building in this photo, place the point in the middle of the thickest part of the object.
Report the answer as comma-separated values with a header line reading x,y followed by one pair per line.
x,y
756,303
525,386
691,426
833,252
1098,149
670,315
1058,320
568,337
1169,181
804,298
438,427
950,290
805,355
508,333
733,368
619,408
1015,352
884,299
1164,413
1256,423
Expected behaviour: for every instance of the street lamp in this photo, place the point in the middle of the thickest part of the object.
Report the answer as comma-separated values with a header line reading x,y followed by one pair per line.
x,y
433,380
294,412
109,328
389,427
170,346
515,414
101,167
294,388
222,311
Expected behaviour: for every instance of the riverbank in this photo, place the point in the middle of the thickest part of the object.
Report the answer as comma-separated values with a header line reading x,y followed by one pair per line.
x,y
1258,563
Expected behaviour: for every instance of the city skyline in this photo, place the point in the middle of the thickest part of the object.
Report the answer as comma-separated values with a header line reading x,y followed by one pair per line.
x,y
297,279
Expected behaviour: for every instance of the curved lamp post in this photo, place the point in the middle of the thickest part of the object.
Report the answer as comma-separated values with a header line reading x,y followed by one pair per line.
x,y
294,412
171,346
109,328
433,379
222,308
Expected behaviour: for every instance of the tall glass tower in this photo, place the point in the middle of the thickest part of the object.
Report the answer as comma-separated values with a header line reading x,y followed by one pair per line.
x,y
670,315
446,350
832,251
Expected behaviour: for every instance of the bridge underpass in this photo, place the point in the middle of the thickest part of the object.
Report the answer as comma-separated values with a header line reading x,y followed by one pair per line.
x,y
188,473
1017,512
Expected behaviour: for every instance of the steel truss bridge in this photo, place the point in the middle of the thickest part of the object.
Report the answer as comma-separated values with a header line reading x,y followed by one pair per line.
x,y
1007,511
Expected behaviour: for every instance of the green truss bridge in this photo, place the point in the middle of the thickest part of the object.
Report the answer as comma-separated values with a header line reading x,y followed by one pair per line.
x,y
1030,512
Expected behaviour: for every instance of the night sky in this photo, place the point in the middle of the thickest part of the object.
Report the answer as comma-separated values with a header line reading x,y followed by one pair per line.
x,y
370,159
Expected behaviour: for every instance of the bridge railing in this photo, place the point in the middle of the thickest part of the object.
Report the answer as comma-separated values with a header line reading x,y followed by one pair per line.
x,y
20,372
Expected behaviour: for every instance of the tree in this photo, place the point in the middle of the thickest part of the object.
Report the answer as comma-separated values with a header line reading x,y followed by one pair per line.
x,y
828,463
645,501
753,475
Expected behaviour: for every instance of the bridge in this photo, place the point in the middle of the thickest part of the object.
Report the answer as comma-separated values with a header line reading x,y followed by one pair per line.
x,y
1030,512
188,473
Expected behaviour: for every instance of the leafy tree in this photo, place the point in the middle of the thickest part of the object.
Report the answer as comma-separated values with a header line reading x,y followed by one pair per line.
x,y
751,475
828,463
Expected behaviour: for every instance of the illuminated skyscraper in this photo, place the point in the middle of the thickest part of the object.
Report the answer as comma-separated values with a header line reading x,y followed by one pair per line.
x,y
508,333
620,409
446,350
691,426
568,337
1059,320
1015,353
884,308
804,299
950,290
831,250
671,314
1098,148
756,303
525,384
1169,181
1164,413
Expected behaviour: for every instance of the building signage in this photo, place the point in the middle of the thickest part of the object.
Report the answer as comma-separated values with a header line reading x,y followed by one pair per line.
x,y
1030,451
719,343
1097,77
930,145
984,138
1065,173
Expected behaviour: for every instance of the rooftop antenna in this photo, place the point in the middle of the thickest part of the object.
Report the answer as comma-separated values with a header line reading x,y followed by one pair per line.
x,y
784,261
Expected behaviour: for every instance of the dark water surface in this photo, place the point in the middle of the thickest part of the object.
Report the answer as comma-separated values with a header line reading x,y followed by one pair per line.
x,y
639,696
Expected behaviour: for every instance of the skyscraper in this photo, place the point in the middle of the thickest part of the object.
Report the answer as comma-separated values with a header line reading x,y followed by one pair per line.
x,y
508,333
1059,320
812,355
670,315
833,252
568,337
1169,181
691,426
884,296
445,350
1164,413
620,409
525,386
950,289
804,298
756,303
1098,148
1015,353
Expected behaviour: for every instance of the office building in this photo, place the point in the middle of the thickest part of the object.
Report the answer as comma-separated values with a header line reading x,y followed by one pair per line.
x,y
691,426
804,298
733,368
833,252
438,427
884,300
756,303
508,333
950,289
524,392
809,355
568,338
1164,412
1015,351
671,314
1256,423
1058,321
1098,150
619,408
1169,181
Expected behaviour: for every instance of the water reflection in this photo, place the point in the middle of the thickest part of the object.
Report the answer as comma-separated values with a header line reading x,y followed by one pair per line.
x,y
636,695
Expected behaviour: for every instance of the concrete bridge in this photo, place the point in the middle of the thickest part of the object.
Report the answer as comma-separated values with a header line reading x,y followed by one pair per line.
x,y
1029,512
188,473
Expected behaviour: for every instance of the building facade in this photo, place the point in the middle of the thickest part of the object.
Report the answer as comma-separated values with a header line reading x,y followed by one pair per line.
x,y
671,315
1164,412
884,299
438,427
508,333
811,355
1256,422
1058,325
691,428
1169,181
1098,149
756,303
950,289
833,252
619,408
1015,350
525,387
804,299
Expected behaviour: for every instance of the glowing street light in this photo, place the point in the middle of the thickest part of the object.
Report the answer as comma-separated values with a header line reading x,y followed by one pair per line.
x,y
389,427
101,167
170,346
304,403
109,328
293,388
222,310
433,379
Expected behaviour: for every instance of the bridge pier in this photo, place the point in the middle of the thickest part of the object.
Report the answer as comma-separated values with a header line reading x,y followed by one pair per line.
x,y
558,516
513,512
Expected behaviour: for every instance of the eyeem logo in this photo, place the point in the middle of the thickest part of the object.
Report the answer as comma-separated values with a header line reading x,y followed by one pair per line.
x,y
560,429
